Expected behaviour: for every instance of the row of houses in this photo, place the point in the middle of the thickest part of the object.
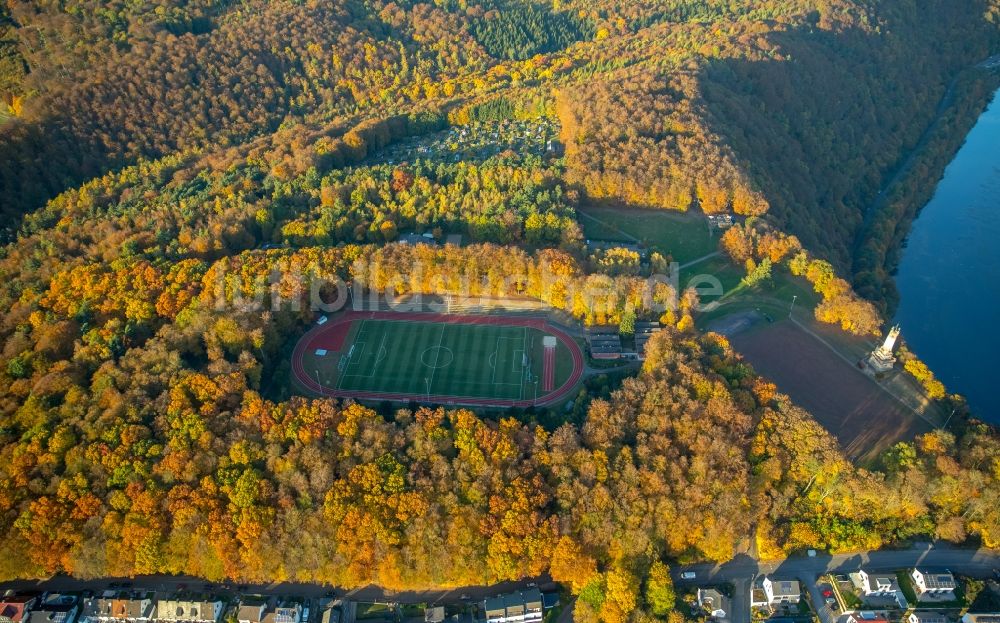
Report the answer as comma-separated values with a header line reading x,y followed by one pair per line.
x,y
48,608
772,594
927,586
141,607
527,606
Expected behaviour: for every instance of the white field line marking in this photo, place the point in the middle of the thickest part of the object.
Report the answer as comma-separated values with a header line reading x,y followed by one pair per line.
x,y
496,360
378,357
430,383
524,349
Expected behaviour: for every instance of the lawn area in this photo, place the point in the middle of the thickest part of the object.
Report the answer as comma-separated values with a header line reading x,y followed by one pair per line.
x,y
373,611
413,610
773,297
684,236
906,585
844,591
720,268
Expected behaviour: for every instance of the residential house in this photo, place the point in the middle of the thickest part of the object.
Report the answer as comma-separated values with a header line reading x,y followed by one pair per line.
x,y
769,593
517,607
981,617
288,612
55,608
259,611
933,585
878,587
714,603
14,609
110,608
251,611
434,615
926,616
865,617
188,611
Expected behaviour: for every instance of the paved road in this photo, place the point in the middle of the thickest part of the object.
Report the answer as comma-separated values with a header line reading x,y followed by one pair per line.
x,y
971,562
809,580
166,583
740,571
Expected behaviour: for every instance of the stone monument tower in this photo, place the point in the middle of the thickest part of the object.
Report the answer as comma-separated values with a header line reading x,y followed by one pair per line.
x,y
881,360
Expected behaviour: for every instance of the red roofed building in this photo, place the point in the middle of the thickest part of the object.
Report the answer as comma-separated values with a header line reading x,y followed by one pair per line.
x,y
13,608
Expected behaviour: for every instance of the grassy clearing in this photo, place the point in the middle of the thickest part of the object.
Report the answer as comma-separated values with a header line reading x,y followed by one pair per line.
x,y
773,297
684,236
720,268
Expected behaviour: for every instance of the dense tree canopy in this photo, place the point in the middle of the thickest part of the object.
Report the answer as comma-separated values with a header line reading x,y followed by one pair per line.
x,y
164,163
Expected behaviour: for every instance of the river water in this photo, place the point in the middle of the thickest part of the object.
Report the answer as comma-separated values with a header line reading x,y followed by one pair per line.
x,y
949,273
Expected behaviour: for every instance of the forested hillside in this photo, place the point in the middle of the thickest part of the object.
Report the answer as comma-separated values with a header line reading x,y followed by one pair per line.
x,y
161,161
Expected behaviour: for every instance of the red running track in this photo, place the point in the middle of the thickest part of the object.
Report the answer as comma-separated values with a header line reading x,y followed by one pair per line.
x,y
549,369
331,336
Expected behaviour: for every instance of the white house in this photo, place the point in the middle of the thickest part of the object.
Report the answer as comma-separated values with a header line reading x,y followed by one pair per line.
x,y
770,592
878,586
938,586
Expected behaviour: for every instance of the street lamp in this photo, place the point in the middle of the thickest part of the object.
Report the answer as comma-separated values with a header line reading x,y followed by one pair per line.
x,y
945,427
428,381
318,382
792,306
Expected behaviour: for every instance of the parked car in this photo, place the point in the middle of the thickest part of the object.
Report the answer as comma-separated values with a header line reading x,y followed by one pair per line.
x,y
689,575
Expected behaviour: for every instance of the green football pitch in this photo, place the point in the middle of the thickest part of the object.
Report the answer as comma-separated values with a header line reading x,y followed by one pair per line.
x,y
440,360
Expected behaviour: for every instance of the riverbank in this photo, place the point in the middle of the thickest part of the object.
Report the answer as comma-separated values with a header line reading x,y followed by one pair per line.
x,y
890,215
949,276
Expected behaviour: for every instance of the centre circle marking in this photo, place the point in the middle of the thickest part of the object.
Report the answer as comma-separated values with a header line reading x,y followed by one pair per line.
x,y
437,357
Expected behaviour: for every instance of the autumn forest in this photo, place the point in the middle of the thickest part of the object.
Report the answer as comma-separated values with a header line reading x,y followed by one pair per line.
x,y
159,159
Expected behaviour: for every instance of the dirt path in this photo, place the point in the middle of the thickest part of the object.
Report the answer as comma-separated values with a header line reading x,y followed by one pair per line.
x,y
700,259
